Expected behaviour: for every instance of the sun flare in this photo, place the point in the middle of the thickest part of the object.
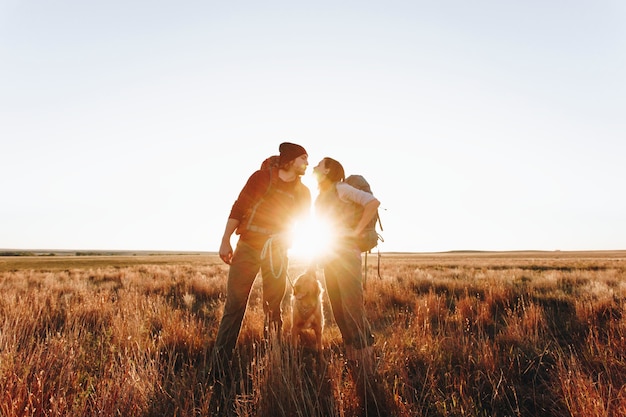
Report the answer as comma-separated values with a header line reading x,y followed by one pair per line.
x,y
310,239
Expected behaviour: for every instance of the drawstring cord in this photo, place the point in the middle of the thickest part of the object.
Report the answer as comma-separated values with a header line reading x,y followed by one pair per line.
x,y
267,247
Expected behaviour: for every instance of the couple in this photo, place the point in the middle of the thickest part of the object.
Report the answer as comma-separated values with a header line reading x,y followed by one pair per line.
x,y
262,215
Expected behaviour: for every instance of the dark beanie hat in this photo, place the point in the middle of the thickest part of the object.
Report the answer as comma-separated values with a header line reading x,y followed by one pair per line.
x,y
289,152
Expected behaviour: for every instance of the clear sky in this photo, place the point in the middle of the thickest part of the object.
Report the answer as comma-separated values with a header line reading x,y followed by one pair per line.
x,y
483,125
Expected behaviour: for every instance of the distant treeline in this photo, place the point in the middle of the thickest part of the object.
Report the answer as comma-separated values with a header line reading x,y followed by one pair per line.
x,y
95,253
80,253
28,253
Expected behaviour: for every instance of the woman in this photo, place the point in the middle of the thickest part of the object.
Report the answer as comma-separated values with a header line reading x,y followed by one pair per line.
x,y
347,210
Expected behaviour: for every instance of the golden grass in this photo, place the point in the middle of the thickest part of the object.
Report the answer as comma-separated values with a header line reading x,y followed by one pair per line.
x,y
458,334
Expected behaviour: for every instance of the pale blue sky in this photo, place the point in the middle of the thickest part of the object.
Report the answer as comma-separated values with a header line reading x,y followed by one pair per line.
x,y
482,125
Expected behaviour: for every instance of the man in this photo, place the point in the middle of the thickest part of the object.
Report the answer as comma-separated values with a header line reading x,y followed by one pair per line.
x,y
263,214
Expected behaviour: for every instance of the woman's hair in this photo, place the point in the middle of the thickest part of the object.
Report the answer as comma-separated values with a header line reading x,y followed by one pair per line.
x,y
335,170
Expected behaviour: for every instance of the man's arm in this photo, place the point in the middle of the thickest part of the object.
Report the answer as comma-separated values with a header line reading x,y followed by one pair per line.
x,y
226,250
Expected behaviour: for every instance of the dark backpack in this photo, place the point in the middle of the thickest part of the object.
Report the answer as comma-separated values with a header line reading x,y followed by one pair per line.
x,y
368,240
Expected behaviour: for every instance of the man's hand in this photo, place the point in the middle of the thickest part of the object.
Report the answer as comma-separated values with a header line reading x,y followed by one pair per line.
x,y
226,252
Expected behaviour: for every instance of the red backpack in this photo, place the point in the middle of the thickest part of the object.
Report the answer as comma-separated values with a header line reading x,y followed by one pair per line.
x,y
269,164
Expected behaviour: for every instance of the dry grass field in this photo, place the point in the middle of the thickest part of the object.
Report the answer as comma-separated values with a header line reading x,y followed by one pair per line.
x,y
458,334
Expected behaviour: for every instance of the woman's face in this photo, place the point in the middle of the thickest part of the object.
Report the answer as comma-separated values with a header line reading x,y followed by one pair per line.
x,y
320,171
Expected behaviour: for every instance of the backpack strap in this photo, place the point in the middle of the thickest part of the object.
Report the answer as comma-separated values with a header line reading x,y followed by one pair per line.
x,y
273,173
271,188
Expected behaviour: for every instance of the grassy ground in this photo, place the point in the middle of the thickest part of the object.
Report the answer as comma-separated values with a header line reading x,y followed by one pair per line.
x,y
458,334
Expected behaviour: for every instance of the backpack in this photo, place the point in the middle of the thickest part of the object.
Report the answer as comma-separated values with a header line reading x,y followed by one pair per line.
x,y
269,164
368,240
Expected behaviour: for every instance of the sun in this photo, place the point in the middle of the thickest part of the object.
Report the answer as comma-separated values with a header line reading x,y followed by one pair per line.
x,y
310,239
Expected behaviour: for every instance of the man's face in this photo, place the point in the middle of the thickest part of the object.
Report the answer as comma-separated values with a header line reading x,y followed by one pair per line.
x,y
300,164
